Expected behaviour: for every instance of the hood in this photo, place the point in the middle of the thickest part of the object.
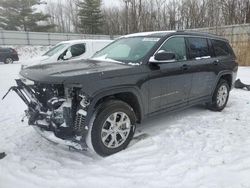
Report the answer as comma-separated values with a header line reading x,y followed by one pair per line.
x,y
75,71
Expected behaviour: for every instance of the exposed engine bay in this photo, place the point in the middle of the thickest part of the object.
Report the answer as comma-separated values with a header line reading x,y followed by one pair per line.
x,y
56,108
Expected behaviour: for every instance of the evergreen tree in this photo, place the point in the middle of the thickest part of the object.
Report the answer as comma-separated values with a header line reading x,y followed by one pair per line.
x,y
21,15
91,18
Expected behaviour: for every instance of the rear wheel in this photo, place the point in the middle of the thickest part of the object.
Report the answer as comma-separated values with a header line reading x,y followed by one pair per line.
x,y
220,96
113,127
8,60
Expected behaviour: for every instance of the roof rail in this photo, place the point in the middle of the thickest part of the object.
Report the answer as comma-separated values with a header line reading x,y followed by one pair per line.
x,y
180,30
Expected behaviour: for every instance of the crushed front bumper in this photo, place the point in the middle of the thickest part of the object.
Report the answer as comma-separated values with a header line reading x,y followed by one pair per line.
x,y
42,119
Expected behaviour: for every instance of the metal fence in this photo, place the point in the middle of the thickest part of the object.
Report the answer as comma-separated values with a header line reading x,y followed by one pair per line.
x,y
43,39
238,36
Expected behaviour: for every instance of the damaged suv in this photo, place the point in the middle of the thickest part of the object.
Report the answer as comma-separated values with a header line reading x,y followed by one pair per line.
x,y
98,102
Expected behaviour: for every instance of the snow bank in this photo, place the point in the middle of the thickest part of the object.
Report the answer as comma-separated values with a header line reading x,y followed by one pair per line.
x,y
189,149
28,52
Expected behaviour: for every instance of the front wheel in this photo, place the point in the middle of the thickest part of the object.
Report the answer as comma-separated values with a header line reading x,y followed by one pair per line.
x,y
8,60
113,127
220,96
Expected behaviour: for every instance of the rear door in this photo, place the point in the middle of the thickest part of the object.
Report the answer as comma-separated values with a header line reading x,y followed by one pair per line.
x,y
203,67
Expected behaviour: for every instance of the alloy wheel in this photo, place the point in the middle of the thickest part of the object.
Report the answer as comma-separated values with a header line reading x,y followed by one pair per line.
x,y
8,61
222,95
115,130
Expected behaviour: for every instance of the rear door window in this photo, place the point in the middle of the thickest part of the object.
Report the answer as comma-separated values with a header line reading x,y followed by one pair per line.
x,y
221,48
198,48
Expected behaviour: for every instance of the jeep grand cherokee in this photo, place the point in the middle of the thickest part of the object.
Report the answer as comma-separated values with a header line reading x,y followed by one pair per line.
x,y
99,101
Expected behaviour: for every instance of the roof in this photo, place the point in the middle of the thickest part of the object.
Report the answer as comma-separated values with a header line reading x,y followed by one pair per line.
x,y
153,33
169,33
201,34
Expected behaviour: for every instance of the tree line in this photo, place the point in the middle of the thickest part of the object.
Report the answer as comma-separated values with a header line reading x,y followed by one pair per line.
x,y
147,15
91,17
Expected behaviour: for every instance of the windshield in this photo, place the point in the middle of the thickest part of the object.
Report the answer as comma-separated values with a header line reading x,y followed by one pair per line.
x,y
54,50
127,49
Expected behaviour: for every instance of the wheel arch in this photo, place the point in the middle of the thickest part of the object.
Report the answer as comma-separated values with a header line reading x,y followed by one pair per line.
x,y
130,95
228,78
226,75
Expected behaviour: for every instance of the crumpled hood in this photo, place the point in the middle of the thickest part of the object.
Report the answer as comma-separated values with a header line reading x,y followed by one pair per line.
x,y
74,71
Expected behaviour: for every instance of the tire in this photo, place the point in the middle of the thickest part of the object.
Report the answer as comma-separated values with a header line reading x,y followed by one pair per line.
x,y
220,96
109,136
8,60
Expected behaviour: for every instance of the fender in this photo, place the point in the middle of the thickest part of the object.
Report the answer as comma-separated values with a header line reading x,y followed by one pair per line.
x,y
222,73
112,91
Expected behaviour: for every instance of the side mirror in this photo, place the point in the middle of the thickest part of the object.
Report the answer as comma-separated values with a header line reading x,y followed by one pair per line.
x,y
164,56
68,55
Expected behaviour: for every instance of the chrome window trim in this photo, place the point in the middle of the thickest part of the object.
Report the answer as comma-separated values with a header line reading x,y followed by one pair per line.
x,y
152,59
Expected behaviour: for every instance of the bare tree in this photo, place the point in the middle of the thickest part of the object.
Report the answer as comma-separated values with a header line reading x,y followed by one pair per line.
x,y
64,15
148,15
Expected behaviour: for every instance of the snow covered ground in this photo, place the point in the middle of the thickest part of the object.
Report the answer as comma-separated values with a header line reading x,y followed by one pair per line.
x,y
195,148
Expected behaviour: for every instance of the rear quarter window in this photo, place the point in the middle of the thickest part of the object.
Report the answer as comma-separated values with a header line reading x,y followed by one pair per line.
x,y
222,48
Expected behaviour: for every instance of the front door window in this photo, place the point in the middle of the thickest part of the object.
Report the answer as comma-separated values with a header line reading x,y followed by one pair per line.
x,y
177,46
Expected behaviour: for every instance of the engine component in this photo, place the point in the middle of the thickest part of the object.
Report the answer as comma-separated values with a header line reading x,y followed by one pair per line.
x,y
54,108
81,114
80,121
84,102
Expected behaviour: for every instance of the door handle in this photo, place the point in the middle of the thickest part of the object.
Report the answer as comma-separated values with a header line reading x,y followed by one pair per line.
x,y
185,67
216,62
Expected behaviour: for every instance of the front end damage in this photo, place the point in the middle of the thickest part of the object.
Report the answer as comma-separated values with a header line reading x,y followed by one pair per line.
x,y
56,111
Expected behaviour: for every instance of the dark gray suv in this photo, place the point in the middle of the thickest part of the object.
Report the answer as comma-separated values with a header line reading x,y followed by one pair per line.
x,y
99,101
8,55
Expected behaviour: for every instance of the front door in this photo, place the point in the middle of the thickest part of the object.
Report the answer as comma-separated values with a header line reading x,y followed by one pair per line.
x,y
170,82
